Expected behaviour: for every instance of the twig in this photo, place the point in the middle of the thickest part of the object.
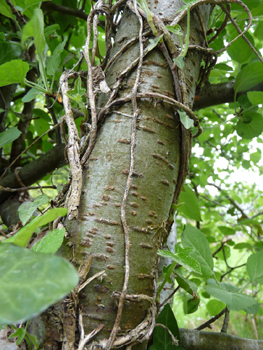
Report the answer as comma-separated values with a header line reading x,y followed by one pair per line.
x,y
8,189
212,320
225,323
174,339
169,297
25,150
85,339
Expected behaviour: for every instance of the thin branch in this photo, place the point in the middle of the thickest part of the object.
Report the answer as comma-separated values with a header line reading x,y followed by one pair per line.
x,y
212,320
8,189
221,28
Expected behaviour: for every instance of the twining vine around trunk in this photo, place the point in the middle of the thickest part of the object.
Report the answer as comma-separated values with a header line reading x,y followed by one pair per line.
x,y
133,169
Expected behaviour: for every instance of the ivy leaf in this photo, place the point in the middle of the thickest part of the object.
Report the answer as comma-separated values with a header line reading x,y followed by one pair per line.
x,y
189,286
230,295
154,42
13,72
255,267
193,238
179,61
43,279
9,136
22,237
185,120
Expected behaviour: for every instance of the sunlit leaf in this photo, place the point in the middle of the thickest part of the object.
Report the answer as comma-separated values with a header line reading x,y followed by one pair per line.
x,y
13,72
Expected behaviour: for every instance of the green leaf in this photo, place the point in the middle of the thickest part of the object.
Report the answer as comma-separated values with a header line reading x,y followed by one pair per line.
x,y
251,126
50,29
176,29
191,207
35,28
22,237
30,95
249,76
161,338
192,304
255,97
255,267
9,136
229,295
54,60
189,286
240,46
20,334
242,246
51,242
185,120
154,42
27,209
179,61
182,257
193,238
5,10
227,231
214,307
31,282
13,72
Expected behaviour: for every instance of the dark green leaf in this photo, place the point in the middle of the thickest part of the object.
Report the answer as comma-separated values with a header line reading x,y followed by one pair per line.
x,y
43,279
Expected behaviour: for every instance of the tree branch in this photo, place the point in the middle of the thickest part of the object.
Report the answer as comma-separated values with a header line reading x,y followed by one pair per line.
x,y
216,94
35,170
195,340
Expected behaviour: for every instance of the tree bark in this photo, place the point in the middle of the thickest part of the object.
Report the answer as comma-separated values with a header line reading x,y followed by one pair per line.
x,y
160,167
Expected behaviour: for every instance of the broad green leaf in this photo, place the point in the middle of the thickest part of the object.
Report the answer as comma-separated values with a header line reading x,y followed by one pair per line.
x,y
54,60
9,136
51,242
13,72
5,10
249,76
9,50
185,120
30,95
27,209
182,257
255,157
255,97
251,126
227,231
31,282
255,267
229,295
35,28
22,237
190,209
214,307
161,338
193,238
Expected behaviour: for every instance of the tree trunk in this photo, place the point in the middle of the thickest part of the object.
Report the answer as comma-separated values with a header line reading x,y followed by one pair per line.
x,y
161,161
